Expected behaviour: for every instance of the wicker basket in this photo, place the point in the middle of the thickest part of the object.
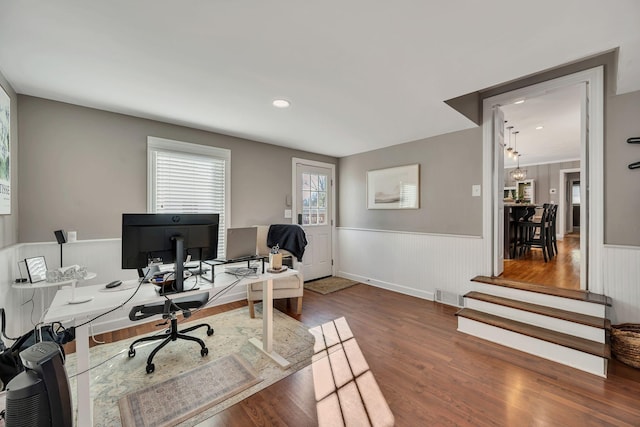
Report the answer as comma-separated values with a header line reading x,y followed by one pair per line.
x,y
625,343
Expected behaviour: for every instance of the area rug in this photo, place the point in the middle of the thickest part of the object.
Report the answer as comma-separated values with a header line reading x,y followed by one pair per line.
x,y
115,375
329,284
174,400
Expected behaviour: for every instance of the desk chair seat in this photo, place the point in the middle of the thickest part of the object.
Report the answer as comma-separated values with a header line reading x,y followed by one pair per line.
x,y
168,310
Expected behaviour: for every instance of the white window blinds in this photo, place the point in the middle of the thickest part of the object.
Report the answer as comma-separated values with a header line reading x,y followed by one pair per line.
x,y
188,178
188,183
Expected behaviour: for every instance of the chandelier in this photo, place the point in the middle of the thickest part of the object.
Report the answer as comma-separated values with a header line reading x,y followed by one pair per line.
x,y
517,174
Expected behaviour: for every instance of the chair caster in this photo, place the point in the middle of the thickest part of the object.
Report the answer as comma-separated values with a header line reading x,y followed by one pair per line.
x,y
132,352
209,331
204,352
150,368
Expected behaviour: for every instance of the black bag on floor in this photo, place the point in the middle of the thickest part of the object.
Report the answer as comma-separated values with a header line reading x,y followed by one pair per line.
x,y
10,363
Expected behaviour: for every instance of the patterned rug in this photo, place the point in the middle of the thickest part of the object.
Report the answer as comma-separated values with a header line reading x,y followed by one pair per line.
x,y
214,382
329,284
115,375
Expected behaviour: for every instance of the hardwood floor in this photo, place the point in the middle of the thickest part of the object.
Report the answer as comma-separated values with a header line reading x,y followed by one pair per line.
x,y
432,375
562,271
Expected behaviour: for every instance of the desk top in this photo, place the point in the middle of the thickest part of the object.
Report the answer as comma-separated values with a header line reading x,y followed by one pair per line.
x,y
45,284
107,299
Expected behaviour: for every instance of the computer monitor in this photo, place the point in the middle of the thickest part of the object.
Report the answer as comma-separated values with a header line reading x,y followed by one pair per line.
x,y
149,239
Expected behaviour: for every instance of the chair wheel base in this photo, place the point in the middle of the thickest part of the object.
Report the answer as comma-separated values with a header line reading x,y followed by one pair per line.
x,y
132,352
209,332
204,352
150,368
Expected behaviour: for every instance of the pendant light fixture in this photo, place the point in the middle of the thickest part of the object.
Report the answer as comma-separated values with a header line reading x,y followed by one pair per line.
x,y
515,153
509,150
517,174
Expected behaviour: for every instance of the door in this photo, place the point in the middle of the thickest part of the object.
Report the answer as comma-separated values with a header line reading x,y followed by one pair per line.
x,y
499,224
314,212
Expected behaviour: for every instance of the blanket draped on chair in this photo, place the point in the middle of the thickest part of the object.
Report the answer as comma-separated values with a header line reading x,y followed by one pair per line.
x,y
290,237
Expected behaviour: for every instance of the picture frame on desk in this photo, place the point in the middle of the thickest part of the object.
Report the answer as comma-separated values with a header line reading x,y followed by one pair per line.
x,y
36,269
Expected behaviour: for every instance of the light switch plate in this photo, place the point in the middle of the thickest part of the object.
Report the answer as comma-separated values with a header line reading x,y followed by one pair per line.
x,y
475,190
287,213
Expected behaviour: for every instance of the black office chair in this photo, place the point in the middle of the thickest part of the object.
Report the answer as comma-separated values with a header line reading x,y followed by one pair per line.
x,y
168,309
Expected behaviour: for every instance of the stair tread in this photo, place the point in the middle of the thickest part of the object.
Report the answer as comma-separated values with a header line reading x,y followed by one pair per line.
x,y
570,341
575,294
583,319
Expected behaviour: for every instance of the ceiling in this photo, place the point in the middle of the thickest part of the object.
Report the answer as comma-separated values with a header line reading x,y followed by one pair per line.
x,y
558,113
360,75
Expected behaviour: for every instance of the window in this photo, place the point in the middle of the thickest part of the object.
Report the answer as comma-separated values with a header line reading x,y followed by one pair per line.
x,y
575,193
314,199
188,178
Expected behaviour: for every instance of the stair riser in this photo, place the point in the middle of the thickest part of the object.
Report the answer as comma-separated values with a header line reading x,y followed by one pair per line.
x,y
588,308
557,353
559,325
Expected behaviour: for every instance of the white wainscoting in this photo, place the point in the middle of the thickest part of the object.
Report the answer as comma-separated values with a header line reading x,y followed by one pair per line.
x,y
410,263
622,282
9,299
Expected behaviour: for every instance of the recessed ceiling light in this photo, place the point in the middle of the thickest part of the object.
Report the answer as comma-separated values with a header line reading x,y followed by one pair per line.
x,y
281,103
520,101
539,127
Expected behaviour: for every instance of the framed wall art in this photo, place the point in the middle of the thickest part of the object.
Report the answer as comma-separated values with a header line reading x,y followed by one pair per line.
x,y
394,188
5,153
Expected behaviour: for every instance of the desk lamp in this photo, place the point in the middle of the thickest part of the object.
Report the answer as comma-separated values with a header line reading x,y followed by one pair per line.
x,y
60,237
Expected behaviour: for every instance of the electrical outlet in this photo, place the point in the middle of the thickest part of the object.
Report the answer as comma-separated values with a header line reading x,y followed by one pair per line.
x,y
475,190
287,213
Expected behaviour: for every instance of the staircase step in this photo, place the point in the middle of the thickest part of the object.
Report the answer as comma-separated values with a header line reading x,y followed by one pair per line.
x,y
569,316
575,294
569,341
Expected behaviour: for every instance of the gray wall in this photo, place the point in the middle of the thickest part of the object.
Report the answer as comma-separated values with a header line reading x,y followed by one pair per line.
x,y
546,177
9,223
622,185
81,168
449,165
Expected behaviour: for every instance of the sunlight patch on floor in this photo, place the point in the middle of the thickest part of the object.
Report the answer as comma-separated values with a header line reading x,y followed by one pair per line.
x,y
345,389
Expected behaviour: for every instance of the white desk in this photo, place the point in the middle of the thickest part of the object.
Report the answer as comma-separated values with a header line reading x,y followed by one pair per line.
x,y
43,284
105,300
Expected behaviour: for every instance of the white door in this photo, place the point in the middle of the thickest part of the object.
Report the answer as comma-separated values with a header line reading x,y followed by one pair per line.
x,y
498,218
314,187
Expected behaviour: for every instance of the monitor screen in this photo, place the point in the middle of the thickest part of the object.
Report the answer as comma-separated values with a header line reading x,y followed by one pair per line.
x,y
155,238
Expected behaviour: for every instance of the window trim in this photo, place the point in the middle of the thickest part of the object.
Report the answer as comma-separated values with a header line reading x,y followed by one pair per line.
x,y
155,144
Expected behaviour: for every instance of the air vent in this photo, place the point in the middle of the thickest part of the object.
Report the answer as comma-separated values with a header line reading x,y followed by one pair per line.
x,y
449,298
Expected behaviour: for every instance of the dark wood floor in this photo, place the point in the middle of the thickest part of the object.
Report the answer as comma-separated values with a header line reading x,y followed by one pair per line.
x,y
432,375
562,271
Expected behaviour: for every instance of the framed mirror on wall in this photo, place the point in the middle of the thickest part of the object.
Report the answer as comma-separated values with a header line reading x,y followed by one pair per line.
x,y
36,269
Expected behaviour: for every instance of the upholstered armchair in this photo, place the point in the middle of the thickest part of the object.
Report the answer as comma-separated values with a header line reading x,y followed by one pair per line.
x,y
286,287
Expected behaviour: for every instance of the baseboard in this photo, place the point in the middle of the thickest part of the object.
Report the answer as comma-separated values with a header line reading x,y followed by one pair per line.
x,y
389,286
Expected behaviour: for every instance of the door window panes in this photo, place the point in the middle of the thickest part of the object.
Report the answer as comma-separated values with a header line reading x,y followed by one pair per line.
x,y
314,199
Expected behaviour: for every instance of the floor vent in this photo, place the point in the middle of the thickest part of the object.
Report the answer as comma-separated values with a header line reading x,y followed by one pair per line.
x,y
449,298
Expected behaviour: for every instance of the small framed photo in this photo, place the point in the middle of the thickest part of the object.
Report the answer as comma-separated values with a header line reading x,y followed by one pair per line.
x,y
394,188
36,269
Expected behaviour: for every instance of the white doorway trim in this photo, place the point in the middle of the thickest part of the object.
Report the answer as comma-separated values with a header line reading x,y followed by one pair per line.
x,y
562,201
294,199
591,275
